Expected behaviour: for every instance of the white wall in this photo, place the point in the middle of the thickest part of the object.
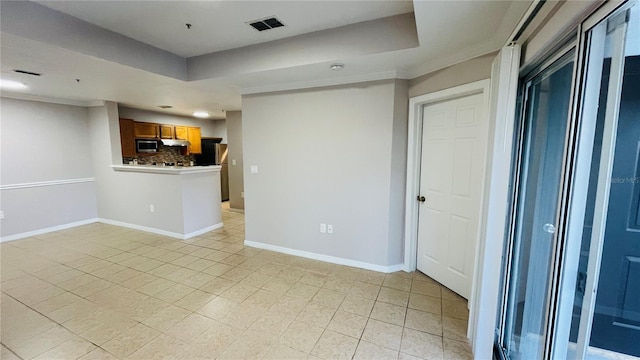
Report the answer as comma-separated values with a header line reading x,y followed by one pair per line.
x,y
398,171
200,201
326,155
236,173
47,144
475,69
209,127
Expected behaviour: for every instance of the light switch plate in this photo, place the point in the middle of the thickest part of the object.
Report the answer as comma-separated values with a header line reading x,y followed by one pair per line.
x,y
254,169
1,215
233,162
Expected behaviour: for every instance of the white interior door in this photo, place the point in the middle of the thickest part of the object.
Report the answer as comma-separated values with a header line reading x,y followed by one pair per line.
x,y
451,181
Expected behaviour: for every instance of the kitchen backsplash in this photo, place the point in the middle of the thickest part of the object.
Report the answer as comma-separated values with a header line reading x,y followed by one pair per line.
x,y
165,154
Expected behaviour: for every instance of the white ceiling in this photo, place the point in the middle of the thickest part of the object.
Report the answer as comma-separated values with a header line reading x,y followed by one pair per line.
x,y
105,80
448,32
221,25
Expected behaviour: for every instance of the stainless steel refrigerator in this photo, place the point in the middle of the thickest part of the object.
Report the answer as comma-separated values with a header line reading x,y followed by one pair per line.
x,y
221,159
215,153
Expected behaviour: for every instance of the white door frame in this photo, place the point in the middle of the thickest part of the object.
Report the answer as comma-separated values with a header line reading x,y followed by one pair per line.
x,y
414,149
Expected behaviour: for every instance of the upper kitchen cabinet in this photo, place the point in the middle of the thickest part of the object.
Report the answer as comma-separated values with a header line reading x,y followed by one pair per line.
x,y
195,138
146,130
127,138
181,133
166,132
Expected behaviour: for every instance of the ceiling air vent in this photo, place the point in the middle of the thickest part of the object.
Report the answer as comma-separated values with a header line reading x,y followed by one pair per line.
x,y
27,72
266,24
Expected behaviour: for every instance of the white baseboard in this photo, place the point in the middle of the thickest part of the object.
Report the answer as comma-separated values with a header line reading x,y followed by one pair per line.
x,y
142,228
325,258
234,210
47,230
202,231
111,222
161,232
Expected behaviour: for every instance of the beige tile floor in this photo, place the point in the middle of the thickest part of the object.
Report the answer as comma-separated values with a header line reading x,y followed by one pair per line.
x,y
105,292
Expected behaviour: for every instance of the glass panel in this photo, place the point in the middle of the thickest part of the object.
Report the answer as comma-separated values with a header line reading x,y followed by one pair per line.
x,y
545,125
615,329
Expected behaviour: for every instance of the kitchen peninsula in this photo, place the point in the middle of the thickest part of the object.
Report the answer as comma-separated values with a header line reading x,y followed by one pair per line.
x,y
168,170
176,201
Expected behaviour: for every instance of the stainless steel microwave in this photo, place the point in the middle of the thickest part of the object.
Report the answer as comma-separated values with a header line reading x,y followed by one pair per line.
x,y
146,146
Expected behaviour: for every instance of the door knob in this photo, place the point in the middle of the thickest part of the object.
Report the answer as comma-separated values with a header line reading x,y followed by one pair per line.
x,y
550,228
421,198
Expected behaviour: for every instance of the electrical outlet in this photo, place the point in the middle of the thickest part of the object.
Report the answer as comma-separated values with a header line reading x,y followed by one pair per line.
x,y
152,208
323,228
1,215
254,169
330,229
242,194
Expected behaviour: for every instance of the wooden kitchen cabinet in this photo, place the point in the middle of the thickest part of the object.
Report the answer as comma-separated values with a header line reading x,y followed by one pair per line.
x,y
127,138
166,132
181,133
195,138
146,130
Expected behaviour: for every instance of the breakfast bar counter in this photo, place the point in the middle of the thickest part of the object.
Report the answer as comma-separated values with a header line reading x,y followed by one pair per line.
x,y
170,170
177,201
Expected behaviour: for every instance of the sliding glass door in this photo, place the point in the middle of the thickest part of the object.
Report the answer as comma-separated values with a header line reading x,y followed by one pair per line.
x,y
606,316
572,265
539,183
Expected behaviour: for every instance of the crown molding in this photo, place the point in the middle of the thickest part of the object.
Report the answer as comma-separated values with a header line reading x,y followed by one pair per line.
x,y
52,100
467,54
385,75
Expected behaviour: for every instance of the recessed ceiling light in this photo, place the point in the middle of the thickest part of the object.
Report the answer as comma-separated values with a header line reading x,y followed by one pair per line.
x,y
337,67
201,114
13,85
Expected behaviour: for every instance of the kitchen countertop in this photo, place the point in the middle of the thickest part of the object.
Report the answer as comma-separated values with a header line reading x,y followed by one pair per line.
x,y
169,170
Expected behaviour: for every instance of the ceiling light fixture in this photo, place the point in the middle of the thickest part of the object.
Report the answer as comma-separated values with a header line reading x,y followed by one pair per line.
x,y
201,114
337,67
165,106
12,85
